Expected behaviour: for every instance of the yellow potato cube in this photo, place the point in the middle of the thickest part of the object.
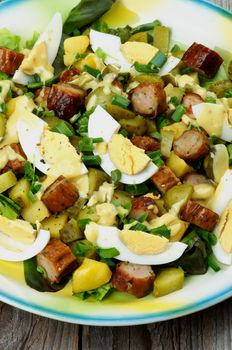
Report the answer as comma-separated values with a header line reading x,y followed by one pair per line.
x,y
35,212
178,165
91,60
19,193
74,45
54,224
177,128
7,180
90,275
140,52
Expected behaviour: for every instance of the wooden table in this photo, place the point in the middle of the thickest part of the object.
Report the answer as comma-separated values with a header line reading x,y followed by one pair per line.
x,y
206,330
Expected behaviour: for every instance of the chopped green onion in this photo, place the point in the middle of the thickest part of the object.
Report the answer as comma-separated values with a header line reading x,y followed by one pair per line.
x,y
76,32
187,70
4,76
214,139
139,227
107,253
228,93
75,118
91,160
92,71
175,48
33,198
210,100
156,158
156,135
29,94
86,144
137,190
81,248
9,208
145,68
229,150
143,217
116,176
212,262
101,54
37,78
120,101
124,77
82,223
34,86
145,27
175,101
161,121
80,56
179,112
158,60
161,231
62,127
98,140
123,132
51,81
3,107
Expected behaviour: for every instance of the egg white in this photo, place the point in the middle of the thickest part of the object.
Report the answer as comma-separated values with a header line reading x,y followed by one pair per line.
x,y
111,45
221,199
29,135
108,237
101,124
52,37
18,251
170,64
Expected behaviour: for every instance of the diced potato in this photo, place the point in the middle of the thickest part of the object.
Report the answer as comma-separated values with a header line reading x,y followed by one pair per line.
x,y
139,52
178,193
54,224
19,193
178,165
178,129
36,211
7,180
168,280
91,60
172,91
203,191
96,179
88,213
220,162
90,275
74,45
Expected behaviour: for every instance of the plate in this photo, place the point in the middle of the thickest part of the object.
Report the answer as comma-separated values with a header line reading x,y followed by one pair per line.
x,y
190,21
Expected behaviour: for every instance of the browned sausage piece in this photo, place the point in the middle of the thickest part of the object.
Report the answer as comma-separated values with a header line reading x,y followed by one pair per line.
x,y
57,260
190,99
146,142
149,99
10,60
203,59
68,75
66,99
142,205
195,179
16,165
192,145
164,179
198,215
60,195
133,279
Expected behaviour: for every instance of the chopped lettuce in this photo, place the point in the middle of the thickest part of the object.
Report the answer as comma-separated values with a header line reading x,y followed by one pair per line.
x,y
98,293
31,42
9,40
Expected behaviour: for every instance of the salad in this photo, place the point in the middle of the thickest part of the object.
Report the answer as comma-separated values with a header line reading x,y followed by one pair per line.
x,y
115,154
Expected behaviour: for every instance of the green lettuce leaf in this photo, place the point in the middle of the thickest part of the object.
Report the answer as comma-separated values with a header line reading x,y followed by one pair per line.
x,y
9,40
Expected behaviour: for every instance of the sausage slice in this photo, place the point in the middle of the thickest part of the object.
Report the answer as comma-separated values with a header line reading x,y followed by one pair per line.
x,y
142,205
194,179
133,279
191,99
60,195
149,99
192,145
68,74
198,215
147,143
164,179
203,59
10,60
65,99
57,260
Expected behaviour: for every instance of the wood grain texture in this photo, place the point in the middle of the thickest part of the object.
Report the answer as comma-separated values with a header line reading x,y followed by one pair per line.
x,y
205,330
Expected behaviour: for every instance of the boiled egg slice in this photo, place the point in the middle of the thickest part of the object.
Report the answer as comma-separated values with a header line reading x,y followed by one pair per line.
x,y
12,250
52,37
219,202
111,46
213,118
117,154
169,65
109,237
29,133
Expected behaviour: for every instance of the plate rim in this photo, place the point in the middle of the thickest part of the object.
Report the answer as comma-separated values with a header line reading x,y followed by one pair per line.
x,y
116,321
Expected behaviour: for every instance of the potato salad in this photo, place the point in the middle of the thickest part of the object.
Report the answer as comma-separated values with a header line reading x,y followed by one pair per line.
x,y
115,155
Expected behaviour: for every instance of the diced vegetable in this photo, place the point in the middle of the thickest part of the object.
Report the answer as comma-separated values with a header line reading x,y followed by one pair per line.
x,y
118,112
54,224
136,126
19,193
161,38
7,180
2,126
178,165
88,213
141,36
168,280
70,231
167,137
177,128
90,275
179,193
36,211
96,179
